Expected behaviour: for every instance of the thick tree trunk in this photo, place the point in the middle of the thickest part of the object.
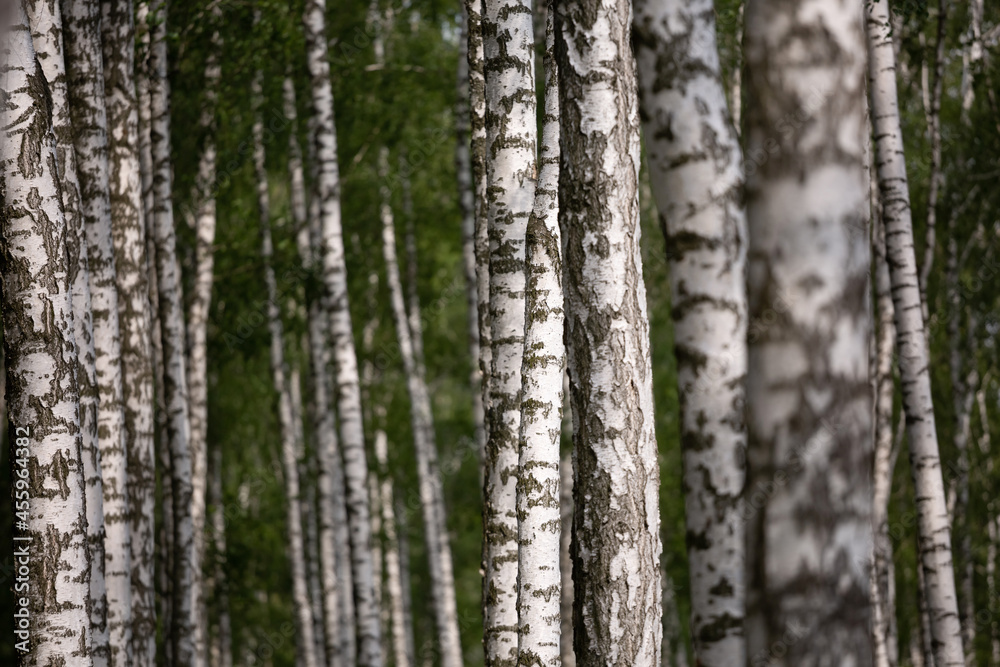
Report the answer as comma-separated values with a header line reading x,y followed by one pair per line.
x,y
171,314
129,237
510,108
538,510
286,417
695,169
86,88
808,395
933,527
344,354
883,605
197,326
46,32
616,558
41,360
467,204
428,473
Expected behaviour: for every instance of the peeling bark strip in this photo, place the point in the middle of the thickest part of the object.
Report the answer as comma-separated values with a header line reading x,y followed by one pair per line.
x,y
287,420
348,386
129,240
41,359
808,396
509,65
933,525
616,558
85,79
171,314
538,518
46,33
695,170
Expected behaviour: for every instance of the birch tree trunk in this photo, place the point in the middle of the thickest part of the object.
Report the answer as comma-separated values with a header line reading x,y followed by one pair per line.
x,y
567,657
808,396
46,31
129,239
289,444
394,580
511,136
344,354
221,654
50,539
481,241
696,174
883,606
171,315
538,511
467,204
934,136
616,559
197,325
428,473
933,527
334,542
86,94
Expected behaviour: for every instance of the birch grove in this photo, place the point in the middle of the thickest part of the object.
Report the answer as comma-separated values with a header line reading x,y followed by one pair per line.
x,y
505,333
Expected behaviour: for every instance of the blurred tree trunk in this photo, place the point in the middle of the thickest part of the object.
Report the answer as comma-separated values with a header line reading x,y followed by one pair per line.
x,y
933,525
808,395
510,112
45,19
544,358
41,361
86,92
616,558
197,320
180,630
567,657
129,238
221,649
695,171
286,417
344,354
933,114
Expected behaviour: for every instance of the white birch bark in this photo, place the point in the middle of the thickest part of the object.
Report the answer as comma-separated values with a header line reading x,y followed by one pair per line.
x,y
393,575
539,523
933,106
809,533
348,389
616,559
511,137
197,325
334,540
428,472
697,179
933,527
45,19
883,606
85,79
289,444
171,316
129,238
49,501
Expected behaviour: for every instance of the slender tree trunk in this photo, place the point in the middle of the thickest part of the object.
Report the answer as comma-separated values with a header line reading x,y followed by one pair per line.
x,y
511,136
41,360
808,395
567,657
992,529
129,237
883,606
467,204
289,444
221,654
428,473
481,241
972,56
539,522
175,390
934,136
933,527
341,333
86,90
45,19
695,170
616,558
197,325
